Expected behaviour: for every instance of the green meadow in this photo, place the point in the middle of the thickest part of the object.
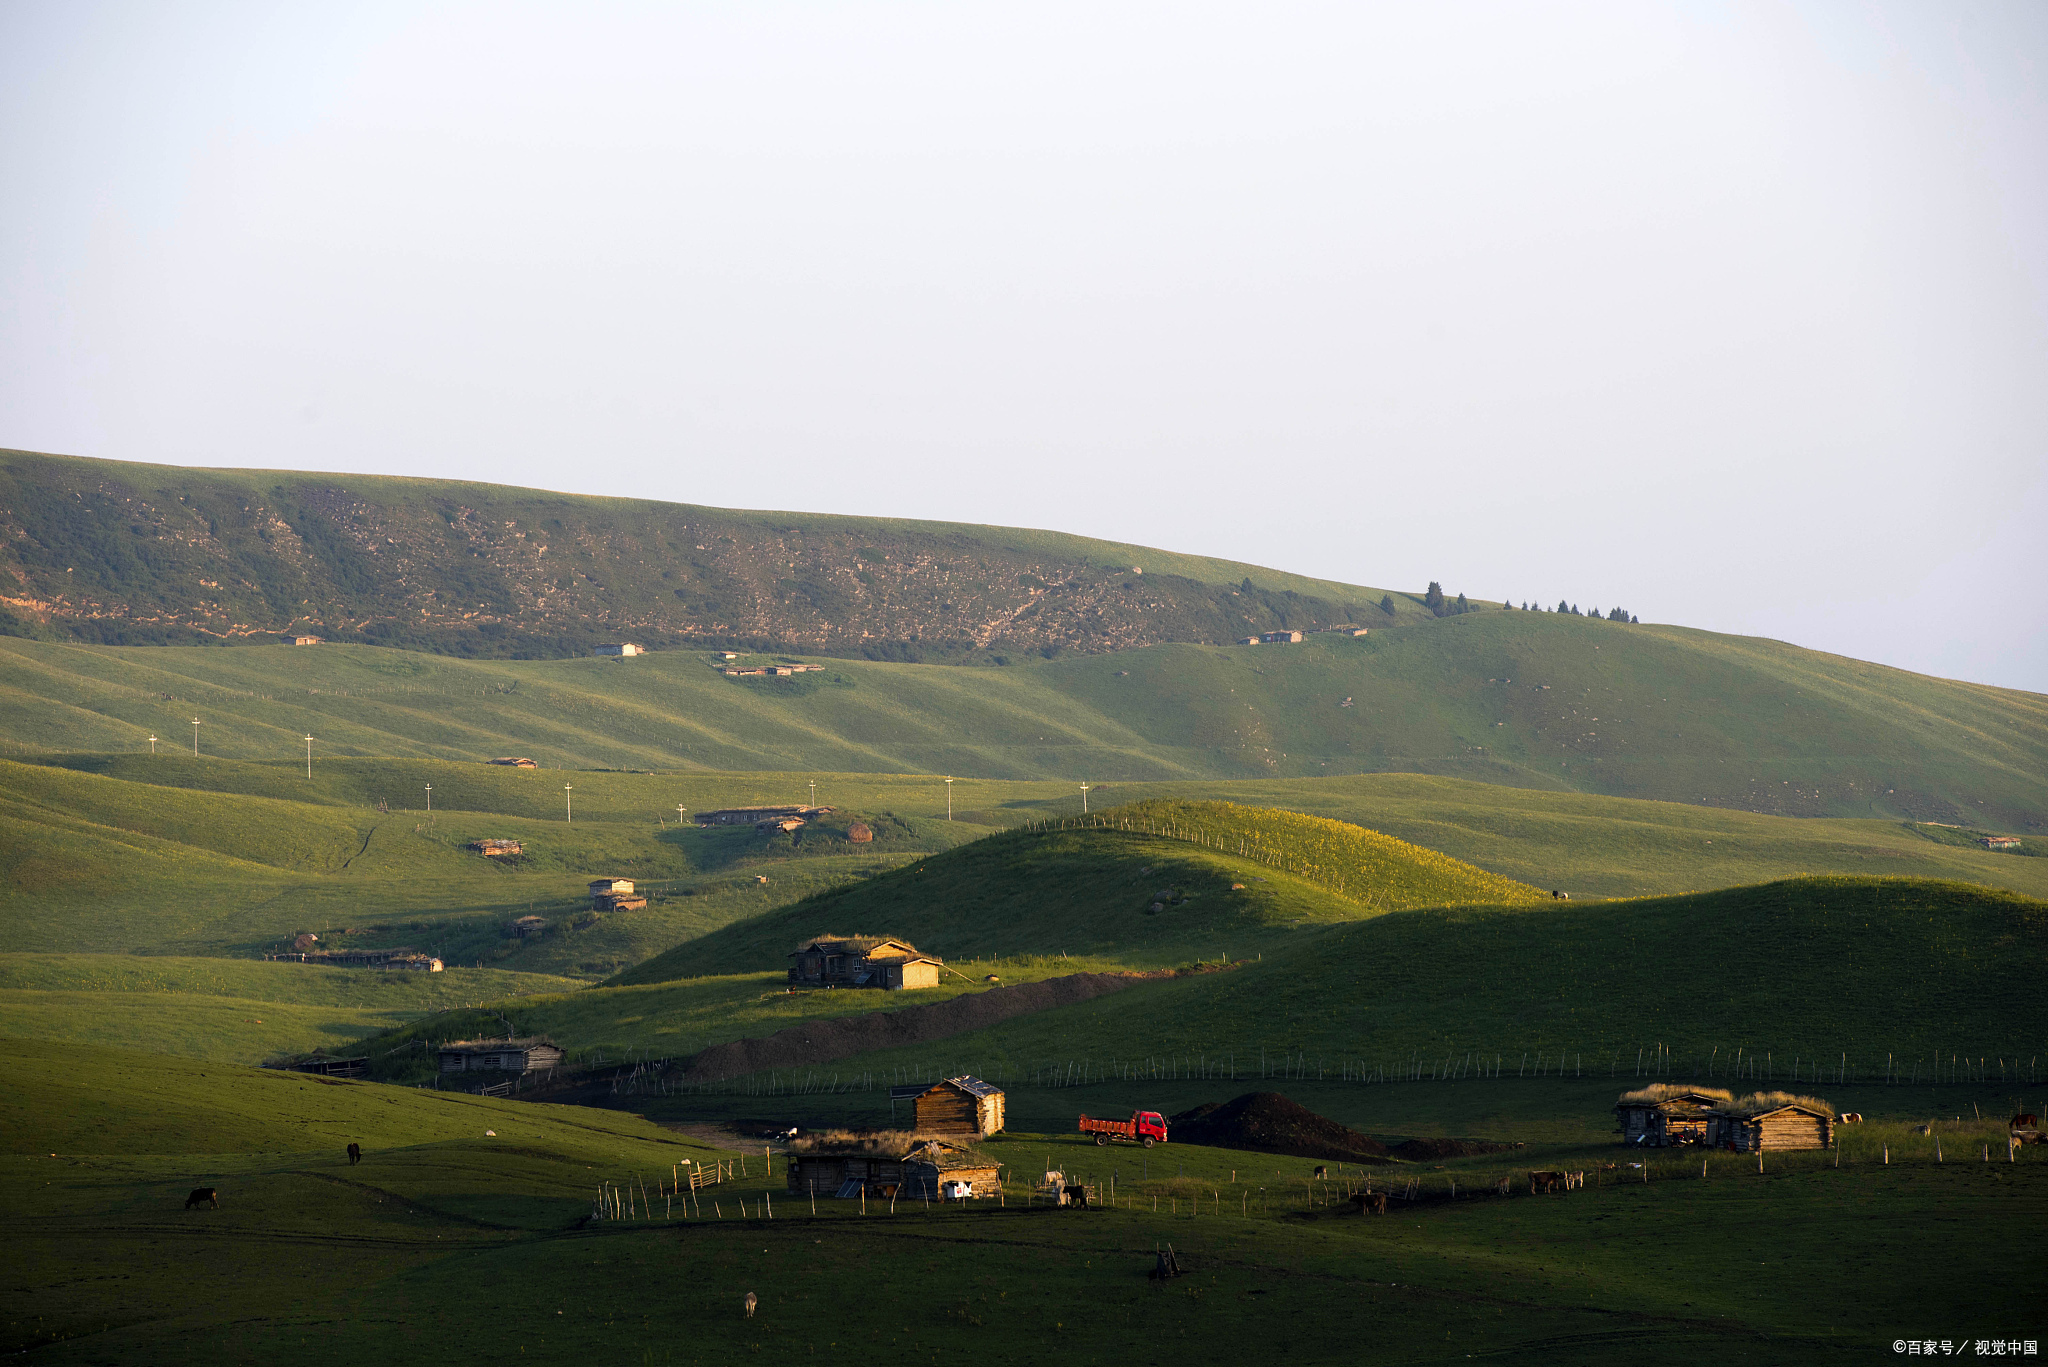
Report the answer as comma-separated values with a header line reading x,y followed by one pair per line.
x,y
310,1260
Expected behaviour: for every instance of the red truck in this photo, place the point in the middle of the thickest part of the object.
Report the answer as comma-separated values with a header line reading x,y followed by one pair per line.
x,y
1144,1127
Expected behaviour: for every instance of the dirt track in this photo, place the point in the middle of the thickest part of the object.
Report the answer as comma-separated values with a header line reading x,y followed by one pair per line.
x,y
821,1041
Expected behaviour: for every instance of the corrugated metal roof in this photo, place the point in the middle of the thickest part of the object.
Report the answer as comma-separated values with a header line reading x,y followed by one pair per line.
x,y
974,1086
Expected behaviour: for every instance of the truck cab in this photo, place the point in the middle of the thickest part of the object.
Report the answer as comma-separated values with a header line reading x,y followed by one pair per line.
x,y
1150,1125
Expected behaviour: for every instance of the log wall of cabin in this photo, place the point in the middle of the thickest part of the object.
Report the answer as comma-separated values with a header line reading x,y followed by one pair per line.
x,y
946,1112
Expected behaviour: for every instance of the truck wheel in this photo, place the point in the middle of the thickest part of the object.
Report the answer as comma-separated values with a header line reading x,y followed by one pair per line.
x,y
1148,1141
1100,1140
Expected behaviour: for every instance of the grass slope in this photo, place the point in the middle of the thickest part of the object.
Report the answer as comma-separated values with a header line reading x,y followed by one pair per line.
x,y
1530,699
311,1261
1805,971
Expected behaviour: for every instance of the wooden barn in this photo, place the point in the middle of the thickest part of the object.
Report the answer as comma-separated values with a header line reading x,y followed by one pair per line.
x,y
863,961
889,1165
959,1105
514,761
504,1055
1664,1113
497,849
1772,1121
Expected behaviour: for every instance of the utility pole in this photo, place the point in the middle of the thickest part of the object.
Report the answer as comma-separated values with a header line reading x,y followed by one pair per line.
x,y
152,745
309,757
1084,799
680,809
949,799
195,738
814,792
430,801
568,802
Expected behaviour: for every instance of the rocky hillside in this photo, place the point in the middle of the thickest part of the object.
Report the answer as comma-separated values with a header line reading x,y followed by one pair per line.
x,y
145,554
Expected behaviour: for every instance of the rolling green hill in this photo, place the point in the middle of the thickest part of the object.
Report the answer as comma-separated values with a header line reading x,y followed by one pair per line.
x,y
1844,972
1531,700
1135,886
153,554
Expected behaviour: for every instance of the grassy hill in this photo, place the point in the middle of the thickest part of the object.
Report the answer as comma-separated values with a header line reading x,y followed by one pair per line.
x,y
1141,886
1846,973
153,554
1533,700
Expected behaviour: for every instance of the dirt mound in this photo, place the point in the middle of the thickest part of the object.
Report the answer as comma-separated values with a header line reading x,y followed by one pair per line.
x,y
1430,1150
821,1041
1270,1123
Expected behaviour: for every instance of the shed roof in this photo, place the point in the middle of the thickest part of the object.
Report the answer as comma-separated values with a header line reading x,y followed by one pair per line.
x,y
1659,1093
493,1046
973,1086
1770,1103
891,1144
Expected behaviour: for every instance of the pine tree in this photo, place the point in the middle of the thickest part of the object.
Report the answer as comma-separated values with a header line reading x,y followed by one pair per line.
x,y
1434,599
1463,606
1563,606
1387,605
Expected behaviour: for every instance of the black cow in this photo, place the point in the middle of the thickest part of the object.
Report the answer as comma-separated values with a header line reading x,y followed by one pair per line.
x,y
355,1154
1370,1202
206,1196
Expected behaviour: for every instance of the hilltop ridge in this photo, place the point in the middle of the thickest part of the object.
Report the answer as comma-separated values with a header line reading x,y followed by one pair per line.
x,y
132,554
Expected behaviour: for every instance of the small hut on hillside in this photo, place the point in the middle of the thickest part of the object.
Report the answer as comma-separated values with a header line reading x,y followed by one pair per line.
x,y
863,961
959,1105
889,1164
506,1055
1773,1120
1665,1113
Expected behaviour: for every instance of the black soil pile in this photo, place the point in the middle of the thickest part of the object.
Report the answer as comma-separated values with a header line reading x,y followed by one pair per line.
x,y
821,1041
1268,1122
1431,1150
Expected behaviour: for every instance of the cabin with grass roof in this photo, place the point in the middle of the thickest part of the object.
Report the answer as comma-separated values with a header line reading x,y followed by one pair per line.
x,y
887,1166
1773,1121
1664,1113
499,1055
863,961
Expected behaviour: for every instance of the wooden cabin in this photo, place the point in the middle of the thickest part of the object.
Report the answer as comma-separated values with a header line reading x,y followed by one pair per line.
x,y
619,649
863,961
515,761
1755,1123
306,640
959,1105
884,1166
503,1055
1664,1114
1279,638
497,849
599,886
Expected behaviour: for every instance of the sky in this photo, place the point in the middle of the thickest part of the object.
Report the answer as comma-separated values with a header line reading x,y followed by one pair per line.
x,y
1734,315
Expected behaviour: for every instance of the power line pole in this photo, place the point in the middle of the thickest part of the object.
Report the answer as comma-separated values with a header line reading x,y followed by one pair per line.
x,y
430,801
195,738
1084,799
152,745
949,799
568,802
309,757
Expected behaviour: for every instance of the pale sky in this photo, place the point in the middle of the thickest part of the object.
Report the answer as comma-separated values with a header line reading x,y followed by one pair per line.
x,y
1733,314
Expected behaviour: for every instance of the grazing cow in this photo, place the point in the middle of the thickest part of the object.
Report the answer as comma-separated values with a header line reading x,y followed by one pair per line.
x,y
1849,1118
750,1302
203,1196
1544,1181
355,1154
2023,1121
1504,1186
1574,1180
1322,1171
1370,1202
1928,1128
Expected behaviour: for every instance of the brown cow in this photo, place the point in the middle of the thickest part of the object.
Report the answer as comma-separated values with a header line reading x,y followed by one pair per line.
x,y
1849,1118
2023,1121
355,1154
1544,1181
750,1302
1370,1202
1574,1180
203,1196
